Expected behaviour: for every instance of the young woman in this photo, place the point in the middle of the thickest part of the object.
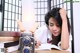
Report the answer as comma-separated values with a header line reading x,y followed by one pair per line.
x,y
56,30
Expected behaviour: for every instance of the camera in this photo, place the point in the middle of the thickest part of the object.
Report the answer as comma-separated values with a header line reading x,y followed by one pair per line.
x,y
26,43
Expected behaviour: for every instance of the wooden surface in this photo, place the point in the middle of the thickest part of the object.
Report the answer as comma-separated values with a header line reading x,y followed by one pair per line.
x,y
9,36
13,52
51,51
8,39
46,51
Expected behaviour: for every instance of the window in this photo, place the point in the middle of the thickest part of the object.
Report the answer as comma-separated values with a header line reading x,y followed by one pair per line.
x,y
12,12
41,10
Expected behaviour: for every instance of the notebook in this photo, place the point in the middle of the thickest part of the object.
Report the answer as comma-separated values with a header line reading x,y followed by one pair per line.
x,y
47,46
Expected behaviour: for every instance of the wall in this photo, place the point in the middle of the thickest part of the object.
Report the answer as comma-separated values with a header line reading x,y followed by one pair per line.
x,y
76,17
28,13
0,21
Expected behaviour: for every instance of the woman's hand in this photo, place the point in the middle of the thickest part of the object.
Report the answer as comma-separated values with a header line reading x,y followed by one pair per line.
x,y
63,14
38,43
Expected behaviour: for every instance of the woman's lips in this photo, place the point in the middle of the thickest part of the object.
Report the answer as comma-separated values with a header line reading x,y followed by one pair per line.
x,y
55,32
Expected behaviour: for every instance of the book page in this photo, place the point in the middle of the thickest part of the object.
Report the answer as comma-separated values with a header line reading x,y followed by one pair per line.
x,y
44,47
47,46
55,47
12,48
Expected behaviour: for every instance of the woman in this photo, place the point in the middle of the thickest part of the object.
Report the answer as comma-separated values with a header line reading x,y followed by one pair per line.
x,y
56,30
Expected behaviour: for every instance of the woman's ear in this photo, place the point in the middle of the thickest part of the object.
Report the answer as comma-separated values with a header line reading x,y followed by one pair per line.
x,y
20,25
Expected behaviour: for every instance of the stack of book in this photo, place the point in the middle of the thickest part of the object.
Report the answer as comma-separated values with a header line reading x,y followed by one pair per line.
x,y
12,48
2,49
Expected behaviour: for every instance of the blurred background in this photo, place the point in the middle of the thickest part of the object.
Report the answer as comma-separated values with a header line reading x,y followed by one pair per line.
x,y
31,11
28,11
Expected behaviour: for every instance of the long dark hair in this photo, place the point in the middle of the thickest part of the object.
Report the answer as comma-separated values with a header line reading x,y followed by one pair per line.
x,y
54,13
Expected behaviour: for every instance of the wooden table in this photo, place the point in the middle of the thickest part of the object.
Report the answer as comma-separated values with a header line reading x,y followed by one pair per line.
x,y
51,51
46,51
9,36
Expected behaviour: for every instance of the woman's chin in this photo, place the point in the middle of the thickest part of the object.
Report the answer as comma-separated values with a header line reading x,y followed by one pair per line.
x,y
55,34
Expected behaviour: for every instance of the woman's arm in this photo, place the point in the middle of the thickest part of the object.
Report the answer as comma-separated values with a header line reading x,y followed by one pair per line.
x,y
65,32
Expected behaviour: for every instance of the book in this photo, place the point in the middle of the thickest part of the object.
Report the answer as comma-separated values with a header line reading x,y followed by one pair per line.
x,y
12,48
2,49
47,46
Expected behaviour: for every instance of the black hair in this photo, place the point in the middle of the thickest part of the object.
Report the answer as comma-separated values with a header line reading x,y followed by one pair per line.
x,y
54,13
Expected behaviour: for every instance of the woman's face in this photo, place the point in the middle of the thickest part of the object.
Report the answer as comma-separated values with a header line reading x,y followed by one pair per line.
x,y
54,27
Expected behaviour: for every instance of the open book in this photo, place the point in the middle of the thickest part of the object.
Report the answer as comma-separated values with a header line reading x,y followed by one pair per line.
x,y
47,47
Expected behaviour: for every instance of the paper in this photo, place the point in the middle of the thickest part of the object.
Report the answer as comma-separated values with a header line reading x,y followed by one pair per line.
x,y
13,48
1,45
2,50
47,47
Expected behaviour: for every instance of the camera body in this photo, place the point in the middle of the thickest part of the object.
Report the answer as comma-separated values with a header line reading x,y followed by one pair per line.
x,y
26,43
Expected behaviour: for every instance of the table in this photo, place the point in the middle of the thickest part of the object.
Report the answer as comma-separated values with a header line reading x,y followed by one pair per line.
x,y
46,51
51,51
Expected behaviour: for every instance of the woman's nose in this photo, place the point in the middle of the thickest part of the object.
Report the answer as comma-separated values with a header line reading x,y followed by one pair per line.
x,y
54,28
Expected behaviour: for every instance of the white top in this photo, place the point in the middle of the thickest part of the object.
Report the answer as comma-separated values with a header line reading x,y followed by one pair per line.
x,y
43,33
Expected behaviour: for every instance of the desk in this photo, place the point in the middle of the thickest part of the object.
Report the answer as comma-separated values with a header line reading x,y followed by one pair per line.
x,y
9,36
51,51
13,52
46,51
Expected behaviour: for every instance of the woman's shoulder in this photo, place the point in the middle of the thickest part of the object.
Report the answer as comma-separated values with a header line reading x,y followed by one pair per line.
x,y
41,30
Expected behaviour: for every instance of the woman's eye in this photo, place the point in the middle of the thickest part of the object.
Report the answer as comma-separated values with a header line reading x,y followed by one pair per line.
x,y
57,25
51,24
